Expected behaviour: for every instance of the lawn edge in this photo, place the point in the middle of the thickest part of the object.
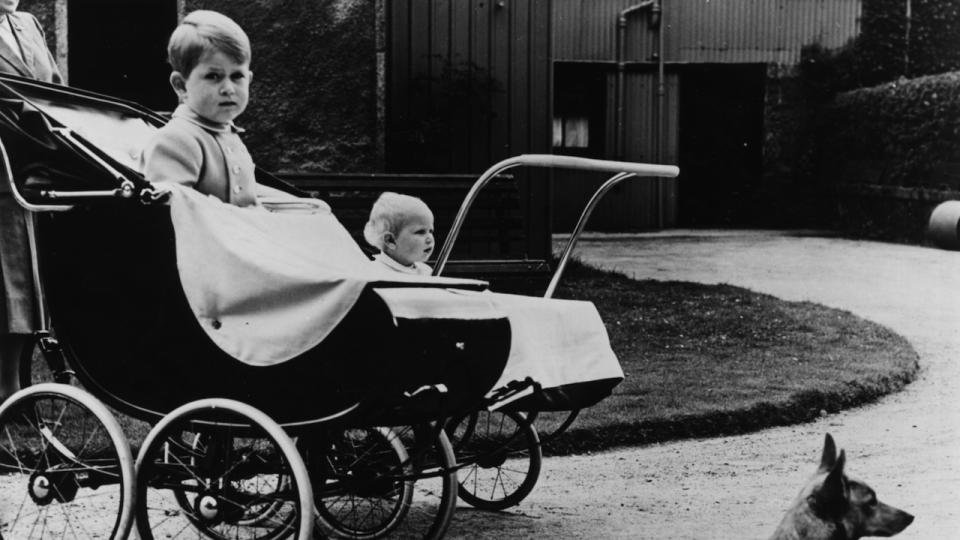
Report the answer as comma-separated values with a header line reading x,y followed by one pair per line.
x,y
800,407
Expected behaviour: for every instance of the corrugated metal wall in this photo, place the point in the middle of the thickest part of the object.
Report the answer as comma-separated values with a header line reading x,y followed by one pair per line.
x,y
748,31
505,43
640,145
634,204
742,31
694,32
640,96
508,41
585,30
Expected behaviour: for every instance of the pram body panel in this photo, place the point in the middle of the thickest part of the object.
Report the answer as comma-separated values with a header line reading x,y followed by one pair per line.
x,y
115,296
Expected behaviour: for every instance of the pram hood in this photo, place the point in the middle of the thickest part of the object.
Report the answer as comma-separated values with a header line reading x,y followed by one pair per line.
x,y
112,131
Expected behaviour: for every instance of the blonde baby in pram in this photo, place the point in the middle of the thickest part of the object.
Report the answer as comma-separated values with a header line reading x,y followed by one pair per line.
x,y
401,227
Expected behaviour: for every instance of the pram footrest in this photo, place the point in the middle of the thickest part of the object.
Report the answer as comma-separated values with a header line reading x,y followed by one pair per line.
x,y
513,391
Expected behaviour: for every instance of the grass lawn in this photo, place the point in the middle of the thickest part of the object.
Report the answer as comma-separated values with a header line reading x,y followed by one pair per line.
x,y
704,360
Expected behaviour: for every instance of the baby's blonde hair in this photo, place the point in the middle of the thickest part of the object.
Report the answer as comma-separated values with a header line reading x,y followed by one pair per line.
x,y
202,31
389,214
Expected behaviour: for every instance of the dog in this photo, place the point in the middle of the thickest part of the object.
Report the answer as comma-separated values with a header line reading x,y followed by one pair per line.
x,y
832,506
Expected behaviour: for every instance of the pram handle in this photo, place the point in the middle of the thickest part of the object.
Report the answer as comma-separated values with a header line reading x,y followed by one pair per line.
x,y
128,188
623,170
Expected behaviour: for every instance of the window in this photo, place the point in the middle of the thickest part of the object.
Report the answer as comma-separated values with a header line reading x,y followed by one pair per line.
x,y
578,108
571,132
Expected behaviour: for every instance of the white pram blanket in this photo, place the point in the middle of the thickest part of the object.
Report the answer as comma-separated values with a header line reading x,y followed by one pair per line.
x,y
557,342
553,342
268,286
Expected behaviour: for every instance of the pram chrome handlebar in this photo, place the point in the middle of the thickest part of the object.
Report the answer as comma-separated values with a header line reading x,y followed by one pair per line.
x,y
575,235
15,192
623,170
128,189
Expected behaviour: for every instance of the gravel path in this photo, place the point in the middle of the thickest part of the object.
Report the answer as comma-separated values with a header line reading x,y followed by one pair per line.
x,y
907,446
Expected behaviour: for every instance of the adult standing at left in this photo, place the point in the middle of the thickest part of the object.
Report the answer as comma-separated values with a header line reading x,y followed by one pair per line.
x,y
23,52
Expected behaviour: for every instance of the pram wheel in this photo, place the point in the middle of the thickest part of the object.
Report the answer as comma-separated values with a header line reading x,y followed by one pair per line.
x,y
435,488
65,466
363,481
550,424
225,469
501,457
377,481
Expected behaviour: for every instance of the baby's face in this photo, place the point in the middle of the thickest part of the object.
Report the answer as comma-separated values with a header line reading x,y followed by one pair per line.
x,y
414,242
218,87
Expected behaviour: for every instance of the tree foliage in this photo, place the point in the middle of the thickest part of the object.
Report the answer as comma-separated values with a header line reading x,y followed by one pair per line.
x,y
898,39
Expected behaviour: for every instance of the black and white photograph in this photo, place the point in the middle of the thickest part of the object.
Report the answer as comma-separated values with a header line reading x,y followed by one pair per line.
x,y
479,269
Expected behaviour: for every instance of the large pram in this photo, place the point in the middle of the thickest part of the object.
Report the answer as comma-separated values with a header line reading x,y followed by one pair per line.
x,y
361,434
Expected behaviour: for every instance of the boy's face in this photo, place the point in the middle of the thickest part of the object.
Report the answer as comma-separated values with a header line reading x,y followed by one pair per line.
x,y
414,242
216,89
8,6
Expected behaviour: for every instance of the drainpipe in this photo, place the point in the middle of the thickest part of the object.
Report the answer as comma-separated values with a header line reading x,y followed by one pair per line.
x,y
906,39
656,18
621,52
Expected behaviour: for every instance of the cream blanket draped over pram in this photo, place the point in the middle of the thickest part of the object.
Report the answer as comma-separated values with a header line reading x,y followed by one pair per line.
x,y
266,286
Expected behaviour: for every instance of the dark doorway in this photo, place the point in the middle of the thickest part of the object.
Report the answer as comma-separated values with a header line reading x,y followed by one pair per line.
x,y
118,47
720,144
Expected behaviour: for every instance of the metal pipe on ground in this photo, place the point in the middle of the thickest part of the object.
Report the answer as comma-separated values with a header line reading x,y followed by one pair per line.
x,y
944,226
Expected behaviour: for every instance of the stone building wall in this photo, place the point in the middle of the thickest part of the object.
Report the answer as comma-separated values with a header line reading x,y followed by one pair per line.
x,y
314,98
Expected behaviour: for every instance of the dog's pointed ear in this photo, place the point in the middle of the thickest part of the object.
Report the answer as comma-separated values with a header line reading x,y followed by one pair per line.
x,y
837,469
829,456
830,499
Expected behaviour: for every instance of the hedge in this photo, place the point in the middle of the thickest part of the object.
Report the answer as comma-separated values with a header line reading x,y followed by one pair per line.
x,y
890,46
885,156
897,133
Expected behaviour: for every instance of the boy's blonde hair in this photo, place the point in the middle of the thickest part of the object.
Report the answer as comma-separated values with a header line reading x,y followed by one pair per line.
x,y
202,31
389,214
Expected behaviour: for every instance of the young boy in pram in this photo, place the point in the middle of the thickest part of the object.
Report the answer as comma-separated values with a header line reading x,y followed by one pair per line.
x,y
200,146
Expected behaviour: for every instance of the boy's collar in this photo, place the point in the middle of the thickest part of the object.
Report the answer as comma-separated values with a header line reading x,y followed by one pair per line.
x,y
182,111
